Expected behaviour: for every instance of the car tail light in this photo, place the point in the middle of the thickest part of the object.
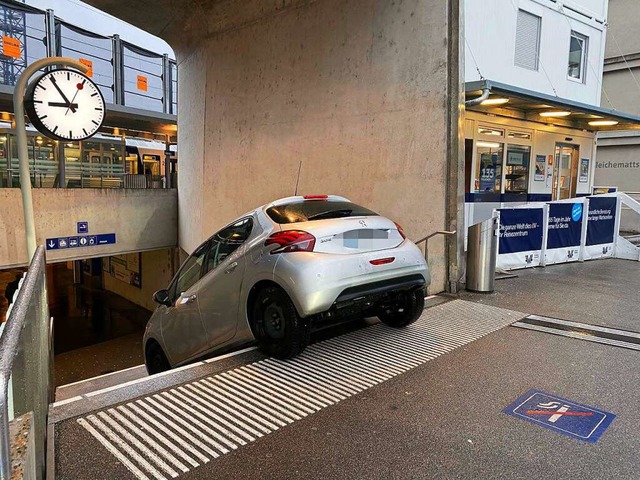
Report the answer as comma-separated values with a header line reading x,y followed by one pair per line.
x,y
382,261
316,197
401,231
291,241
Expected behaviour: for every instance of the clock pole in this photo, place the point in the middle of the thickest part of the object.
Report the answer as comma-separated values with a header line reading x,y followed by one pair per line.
x,y
21,137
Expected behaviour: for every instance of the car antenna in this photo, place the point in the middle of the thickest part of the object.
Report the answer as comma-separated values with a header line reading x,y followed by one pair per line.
x,y
295,193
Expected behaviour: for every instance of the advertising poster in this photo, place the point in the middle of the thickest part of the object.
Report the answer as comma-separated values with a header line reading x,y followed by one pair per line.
x,y
539,174
584,170
520,239
601,226
126,268
564,232
488,172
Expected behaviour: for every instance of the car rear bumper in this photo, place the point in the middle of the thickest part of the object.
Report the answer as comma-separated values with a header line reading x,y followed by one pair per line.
x,y
316,281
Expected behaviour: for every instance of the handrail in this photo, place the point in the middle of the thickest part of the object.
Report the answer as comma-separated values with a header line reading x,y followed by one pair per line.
x,y
10,345
439,232
426,241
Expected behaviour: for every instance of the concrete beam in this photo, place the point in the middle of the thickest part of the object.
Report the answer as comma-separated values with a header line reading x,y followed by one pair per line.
x,y
141,220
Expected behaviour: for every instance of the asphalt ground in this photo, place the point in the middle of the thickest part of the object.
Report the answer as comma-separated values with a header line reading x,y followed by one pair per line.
x,y
598,292
444,418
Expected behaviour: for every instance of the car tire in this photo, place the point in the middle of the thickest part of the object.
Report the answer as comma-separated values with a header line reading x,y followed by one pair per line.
x,y
280,331
403,310
155,360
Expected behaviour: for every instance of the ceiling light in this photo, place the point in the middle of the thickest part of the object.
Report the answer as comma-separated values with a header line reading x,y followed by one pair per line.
x,y
488,144
603,123
555,113
494,101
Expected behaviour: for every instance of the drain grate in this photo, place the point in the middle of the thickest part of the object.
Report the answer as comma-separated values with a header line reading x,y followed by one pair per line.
x,y
581,331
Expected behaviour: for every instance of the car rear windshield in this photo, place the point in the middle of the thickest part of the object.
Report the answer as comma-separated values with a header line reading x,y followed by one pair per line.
x,y
316,210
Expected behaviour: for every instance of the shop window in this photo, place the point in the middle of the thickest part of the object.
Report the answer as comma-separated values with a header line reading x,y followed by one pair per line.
x,y
516,172
577,56
488,176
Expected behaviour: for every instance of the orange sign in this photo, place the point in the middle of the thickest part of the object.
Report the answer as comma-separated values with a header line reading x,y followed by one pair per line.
x,y
10,47
142,83
89,65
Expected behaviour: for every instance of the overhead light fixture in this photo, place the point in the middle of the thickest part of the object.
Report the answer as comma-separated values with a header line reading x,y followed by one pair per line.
x,y
488,144
555,113
494,101
603,123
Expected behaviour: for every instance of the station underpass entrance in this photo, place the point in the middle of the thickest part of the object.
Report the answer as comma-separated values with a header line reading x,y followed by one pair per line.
x,y
100,307
96,331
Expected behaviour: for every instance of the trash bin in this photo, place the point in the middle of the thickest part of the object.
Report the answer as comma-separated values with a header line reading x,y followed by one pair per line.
x,y
482,250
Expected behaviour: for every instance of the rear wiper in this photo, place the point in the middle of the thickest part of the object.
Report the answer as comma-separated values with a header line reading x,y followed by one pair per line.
x,y
345,212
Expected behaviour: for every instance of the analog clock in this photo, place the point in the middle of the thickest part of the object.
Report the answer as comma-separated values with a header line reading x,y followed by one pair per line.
x,y
65,105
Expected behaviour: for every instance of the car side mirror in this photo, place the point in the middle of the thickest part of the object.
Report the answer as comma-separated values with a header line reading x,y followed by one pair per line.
x,y
162,297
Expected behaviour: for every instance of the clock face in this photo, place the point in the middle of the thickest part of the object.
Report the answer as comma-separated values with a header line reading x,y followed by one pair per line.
x,y
65,105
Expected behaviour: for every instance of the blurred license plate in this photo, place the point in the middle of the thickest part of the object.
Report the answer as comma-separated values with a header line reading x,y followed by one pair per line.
x,y
365,238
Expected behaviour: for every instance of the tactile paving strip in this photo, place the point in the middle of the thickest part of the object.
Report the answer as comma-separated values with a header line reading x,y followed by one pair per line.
x,y
169,433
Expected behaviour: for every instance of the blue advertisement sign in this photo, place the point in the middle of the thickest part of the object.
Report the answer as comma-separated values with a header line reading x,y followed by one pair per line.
x,y
561,415
81,241
520,230
602,220
565,225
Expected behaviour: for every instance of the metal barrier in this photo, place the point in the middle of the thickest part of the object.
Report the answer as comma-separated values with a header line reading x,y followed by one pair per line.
x,y
25,366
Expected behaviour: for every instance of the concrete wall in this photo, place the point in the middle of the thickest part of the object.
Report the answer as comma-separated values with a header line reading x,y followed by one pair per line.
x,y
619,166
141,220
360,91
156,273
623,22
355,90
491,34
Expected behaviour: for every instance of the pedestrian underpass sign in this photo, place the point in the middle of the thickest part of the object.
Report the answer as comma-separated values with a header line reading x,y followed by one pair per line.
x,y
562,415
81,241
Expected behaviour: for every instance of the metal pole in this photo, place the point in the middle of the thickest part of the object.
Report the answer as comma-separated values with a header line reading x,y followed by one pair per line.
x,y
21,138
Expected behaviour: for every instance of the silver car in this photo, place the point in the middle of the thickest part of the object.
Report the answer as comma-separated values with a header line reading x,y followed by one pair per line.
x,y
280,271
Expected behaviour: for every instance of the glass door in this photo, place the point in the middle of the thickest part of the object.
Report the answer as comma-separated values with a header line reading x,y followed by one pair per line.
x,y
565,169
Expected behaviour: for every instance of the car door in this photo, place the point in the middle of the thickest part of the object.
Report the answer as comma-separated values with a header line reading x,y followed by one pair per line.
x,y
220,288
182,328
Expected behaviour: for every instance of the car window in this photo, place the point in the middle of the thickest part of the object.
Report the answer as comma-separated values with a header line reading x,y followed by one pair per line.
x,y
227,240
190,272
316,210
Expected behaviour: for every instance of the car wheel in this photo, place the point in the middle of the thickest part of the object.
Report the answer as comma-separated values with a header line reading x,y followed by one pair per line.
x,y
403,309
280,331
155,359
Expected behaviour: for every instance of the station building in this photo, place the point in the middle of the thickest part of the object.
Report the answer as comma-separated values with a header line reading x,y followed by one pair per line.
x,y
534,68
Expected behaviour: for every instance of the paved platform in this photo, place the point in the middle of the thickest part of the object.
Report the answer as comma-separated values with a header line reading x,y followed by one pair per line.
x,y
599,292
425,402
179,429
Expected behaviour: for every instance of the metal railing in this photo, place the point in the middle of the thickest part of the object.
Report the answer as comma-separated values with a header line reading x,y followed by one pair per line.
x,y
430,236
25,366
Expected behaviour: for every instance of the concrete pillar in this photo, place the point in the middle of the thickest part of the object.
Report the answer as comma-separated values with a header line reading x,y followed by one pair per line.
x,y
366,93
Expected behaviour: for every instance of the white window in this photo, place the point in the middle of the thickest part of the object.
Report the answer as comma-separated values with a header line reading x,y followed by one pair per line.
x,y
578,56
528,40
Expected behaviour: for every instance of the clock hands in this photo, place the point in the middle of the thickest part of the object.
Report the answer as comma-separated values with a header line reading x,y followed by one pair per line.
x,y
62,104
64,97
79,86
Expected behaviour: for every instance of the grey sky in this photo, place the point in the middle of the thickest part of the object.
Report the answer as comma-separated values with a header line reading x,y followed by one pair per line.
x,y
85,16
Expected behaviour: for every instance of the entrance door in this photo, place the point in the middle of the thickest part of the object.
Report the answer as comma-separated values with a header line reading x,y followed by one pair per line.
x,y
565,171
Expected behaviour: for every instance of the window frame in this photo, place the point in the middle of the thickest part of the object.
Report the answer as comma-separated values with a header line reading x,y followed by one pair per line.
x,y
213,240
173,286
583,60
